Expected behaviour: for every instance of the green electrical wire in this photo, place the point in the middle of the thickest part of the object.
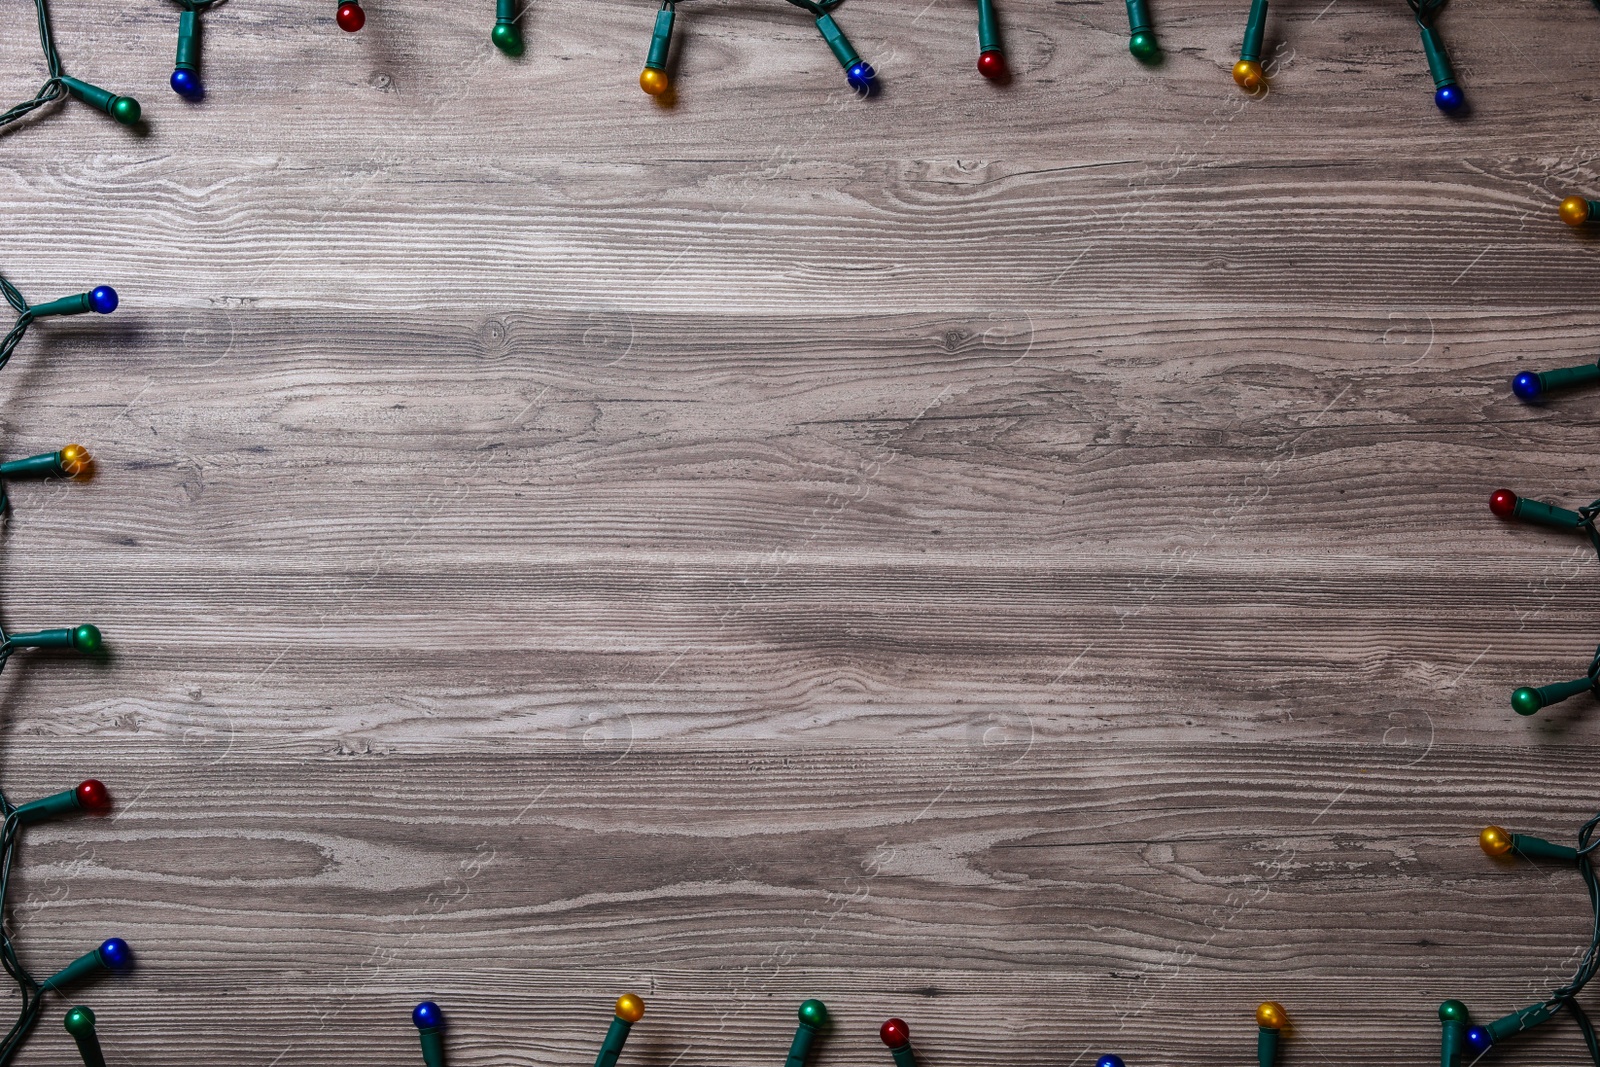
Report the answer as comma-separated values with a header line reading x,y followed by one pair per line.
x,y
125,109
825,6
52,90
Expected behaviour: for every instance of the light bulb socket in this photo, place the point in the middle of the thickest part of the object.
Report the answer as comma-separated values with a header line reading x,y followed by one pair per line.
x,y
1255,33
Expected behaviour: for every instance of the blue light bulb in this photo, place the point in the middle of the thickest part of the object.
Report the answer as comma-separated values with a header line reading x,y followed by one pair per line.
x,y
862,78
427,1015
1448,97
1526,386
1108,1060
115,953
103,299
186,83
1478,1040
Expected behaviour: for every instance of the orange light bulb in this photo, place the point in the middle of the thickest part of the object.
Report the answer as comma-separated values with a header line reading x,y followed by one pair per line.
x,y
1495,841
1271,1016
1248,73
630,1008
654,81
75,461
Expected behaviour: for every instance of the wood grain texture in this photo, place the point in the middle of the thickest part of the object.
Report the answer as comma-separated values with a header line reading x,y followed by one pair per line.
x,y
1013,558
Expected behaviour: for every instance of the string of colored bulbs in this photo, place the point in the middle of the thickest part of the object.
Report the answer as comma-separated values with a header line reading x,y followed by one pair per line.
x,y
90,796
813,1017
506,34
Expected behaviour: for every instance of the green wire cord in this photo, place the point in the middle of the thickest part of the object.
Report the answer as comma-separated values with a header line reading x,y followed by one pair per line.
x,y
52,90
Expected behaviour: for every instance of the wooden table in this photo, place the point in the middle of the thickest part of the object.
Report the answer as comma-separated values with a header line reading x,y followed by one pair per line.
x,y
1011,558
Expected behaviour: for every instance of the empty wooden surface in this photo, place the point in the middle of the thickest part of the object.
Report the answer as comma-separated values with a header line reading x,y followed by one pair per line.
x,y
1014,558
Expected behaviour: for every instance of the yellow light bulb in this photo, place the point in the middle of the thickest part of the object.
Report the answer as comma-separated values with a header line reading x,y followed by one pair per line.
x,y
1494,841
654,81
75,460
630,1008
1574,211
1248,73
1271,1016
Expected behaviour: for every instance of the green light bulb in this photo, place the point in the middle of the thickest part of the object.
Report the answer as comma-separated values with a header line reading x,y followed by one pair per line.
x,y
87,639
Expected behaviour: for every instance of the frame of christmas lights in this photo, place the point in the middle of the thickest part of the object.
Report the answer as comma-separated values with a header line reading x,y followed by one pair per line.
x,y
428,1018
1249,74
125,109
91,796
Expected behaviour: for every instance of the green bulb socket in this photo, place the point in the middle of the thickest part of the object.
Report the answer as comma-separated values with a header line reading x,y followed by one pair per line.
x,y
1453,1023
47,808
1518,1021
1438,60
505,35
432,1038
1266,1038
661,39
988,27
76,304
1255,33
1537,848
42,465
188,41
1529,699
1567,377
125,109
904,1056
83,967
1546,515
611,1047
838,43
80,1024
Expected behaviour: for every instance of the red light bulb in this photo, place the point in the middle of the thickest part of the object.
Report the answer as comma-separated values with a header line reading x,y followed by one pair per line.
x,y
350,17
895,1032
94,796
1503,503
992,65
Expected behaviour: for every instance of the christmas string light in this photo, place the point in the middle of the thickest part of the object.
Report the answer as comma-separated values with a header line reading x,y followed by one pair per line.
x,y
857,71
89,796
1142,34
80,1024
1446,93
506,35
1248,72
125,109
429,1021
185,79
1462,1039
991,56
1507,505
653,79
349,16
